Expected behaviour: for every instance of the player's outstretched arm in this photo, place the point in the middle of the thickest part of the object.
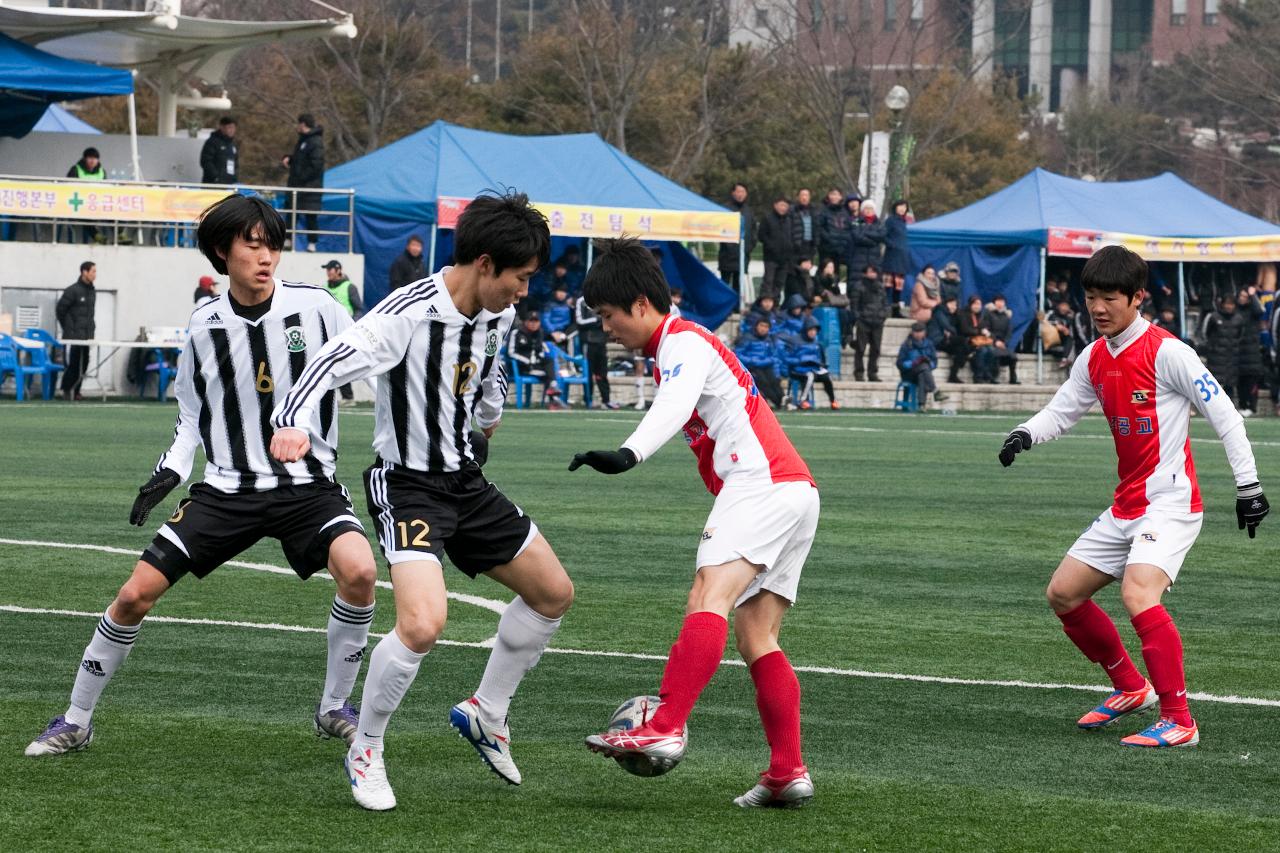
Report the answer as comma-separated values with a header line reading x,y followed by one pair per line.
x,y
605,461
153,491
1251,507
1016,442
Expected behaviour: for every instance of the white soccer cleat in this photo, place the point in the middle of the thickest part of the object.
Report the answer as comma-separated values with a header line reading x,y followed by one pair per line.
x,y
493,743
59,737
778,793
368,777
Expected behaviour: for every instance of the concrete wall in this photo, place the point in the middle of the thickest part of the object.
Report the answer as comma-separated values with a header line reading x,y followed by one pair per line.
x,y
137,286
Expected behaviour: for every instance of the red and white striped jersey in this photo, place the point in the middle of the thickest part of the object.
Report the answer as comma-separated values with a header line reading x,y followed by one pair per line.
x,y
704,390
1147,380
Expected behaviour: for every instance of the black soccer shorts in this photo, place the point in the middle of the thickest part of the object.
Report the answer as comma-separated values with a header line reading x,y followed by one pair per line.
x,y
459,514
211,527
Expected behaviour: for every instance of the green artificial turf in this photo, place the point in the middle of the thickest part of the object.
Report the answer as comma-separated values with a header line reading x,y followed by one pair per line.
x,y
930,560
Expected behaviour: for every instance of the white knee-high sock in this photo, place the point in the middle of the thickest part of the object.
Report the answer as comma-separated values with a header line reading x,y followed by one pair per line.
x,y
102,657
523,634
348,633
392,668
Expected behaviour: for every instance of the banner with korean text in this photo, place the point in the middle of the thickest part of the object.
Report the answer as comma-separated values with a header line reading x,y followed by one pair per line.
x,y
104,201
1082,243
582,220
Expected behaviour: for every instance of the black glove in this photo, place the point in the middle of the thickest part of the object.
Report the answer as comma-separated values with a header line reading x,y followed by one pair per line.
x,y
151,493
479,447
605,461
1017,441
1251,507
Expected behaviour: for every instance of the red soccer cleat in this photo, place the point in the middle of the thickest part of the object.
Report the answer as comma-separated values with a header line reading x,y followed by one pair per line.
x,y
1119,704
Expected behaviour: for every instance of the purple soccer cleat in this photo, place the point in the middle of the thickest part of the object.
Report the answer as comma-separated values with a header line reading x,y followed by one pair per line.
x,y
59,737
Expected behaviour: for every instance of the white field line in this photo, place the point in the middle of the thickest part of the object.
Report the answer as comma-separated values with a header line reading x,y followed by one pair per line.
x,y
817,670
475,600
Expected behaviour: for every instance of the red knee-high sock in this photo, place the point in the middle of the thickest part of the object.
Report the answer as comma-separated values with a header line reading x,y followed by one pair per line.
x,y
1093,632
1162,650
778,698
693,660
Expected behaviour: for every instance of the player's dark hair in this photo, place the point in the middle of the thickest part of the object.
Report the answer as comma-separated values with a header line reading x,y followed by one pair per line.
x,y
624,270
1115,269
91,152
226,120
308,119
87,265
247,217
504,227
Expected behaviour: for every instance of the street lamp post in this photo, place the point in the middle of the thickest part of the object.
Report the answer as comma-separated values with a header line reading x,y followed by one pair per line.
x,y
897,101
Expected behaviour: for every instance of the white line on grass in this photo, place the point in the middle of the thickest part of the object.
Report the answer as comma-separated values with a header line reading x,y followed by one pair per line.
x,y
817,670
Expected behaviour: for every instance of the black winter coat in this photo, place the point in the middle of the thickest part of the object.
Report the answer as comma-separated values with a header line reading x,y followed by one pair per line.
x,y
306,167
219,160
833,231
865,242
1220,345
775,237
800,247
867,302
896,255
407,269
75,311
1250,360
1000,323
942,327
727,258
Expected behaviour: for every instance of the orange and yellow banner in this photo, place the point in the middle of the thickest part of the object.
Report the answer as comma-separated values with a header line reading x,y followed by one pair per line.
x,y
583,220
103,200
1082,243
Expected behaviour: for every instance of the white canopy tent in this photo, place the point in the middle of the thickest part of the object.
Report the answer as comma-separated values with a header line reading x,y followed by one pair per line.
x,y
168,49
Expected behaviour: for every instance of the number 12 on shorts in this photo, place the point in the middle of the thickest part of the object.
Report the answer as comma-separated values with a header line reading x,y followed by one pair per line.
x,y
419,539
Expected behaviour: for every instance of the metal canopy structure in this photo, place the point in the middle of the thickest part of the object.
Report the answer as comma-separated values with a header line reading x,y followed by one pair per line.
x,y
168,48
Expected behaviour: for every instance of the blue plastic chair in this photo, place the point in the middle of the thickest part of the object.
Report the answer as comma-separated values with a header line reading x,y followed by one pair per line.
x,y
11,362
521,383
907,397
45,358
164,373
560,361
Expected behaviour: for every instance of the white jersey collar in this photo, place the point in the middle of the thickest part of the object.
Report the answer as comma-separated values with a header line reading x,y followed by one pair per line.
x,y
1119,343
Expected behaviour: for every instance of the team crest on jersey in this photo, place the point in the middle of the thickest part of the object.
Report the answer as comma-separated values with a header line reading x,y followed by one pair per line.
x,y
1141,396
294,339
708,533
491,343
1149,537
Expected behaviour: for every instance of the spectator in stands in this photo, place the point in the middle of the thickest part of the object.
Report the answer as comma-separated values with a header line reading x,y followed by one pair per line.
x,y
1168,320
917,358
803,280
206,289
1220,341
926,294
833,231
410,266
775,237
529,350
1055,332
89,168
677,297
806,363
973,329
949,285
943,330
761,356
306,170
220,155
1055,291
1252,373
804,226
794,315
574,269
893,268
595,345
347,295
998,321
866,301
75,313
765,306
1273,344
866,241
827,285
727,259
559,280
557,316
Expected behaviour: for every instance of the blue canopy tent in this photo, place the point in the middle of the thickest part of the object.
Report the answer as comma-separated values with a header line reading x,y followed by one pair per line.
x,y
1001,241
58,120
31,80
399,190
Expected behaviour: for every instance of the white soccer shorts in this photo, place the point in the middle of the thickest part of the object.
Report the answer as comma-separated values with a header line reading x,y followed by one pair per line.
x,y
769,524
1159,538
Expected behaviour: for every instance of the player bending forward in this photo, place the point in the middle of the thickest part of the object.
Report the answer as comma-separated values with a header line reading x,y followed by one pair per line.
x,y
246,346
1146,380
758,534
434,347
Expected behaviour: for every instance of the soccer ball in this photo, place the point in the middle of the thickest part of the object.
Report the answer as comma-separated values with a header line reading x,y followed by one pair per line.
x,y
632,714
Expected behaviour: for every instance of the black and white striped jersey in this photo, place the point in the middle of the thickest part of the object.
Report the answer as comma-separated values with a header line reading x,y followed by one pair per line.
x,y
438,371
232,373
